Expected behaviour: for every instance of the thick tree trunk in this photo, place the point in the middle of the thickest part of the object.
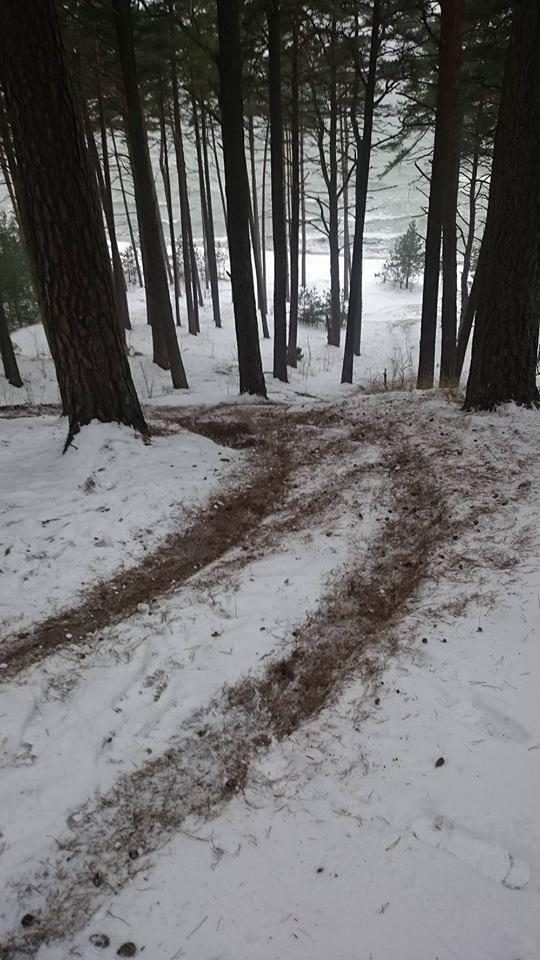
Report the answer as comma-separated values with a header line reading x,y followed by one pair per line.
x,y
294,230
363,149
166,176
126,211
190,283
9,360
68,235
211,239
279,227
237,187
157,291
22,214
255,234
505,342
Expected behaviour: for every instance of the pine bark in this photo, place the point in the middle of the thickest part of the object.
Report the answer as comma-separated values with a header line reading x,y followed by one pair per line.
x,y
119,281
9,360
294,232
453,14
440,198
157,290
279,228
505,342
67,231
166,177
126,211
190,283
211,237
255,232
467,253
303,224
237,189
363,149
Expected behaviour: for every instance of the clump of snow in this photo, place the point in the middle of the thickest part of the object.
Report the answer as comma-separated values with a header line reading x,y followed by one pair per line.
x,y
69,521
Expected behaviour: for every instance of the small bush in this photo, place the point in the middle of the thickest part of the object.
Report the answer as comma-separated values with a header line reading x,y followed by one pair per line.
x,y
314,307
406,259
129,265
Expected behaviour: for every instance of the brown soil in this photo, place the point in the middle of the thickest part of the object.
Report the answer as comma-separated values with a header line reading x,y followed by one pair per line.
x,y
282,444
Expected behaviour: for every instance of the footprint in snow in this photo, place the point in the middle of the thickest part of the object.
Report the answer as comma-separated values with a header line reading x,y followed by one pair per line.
x,y
488,859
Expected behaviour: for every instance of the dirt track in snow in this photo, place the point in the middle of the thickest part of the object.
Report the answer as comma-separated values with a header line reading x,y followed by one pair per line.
x,y
355,629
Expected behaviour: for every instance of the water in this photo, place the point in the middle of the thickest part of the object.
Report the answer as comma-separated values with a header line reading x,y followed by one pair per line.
x,y
393,200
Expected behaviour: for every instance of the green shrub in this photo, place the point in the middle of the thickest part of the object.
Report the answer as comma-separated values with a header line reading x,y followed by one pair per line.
x,y
314,307
406,258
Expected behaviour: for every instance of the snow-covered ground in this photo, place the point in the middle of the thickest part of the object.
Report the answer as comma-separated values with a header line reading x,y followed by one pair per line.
x,y
400,822
390,340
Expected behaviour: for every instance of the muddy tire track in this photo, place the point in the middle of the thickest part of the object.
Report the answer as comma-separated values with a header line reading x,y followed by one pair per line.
x,y
281,445
352,633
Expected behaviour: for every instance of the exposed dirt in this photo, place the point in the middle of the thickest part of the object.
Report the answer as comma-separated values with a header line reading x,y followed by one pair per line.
x,y
210,761
352,634
282,442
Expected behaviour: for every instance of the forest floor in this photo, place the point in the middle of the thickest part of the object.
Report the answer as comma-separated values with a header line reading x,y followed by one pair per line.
x,y
269,684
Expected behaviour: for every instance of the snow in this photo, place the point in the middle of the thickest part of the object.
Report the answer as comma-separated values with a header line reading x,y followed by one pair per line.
x,y
68,521
390,336
347,840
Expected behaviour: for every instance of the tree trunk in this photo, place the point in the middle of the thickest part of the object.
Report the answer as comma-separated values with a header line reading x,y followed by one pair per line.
x,y
68,236
237,187
126,210
119,281
157,291
505,342
303,212
9,360
344,143
466,324
467,253
166,175
452,21
294,230
22,215
105,186
263,211
211,239
442,168
190,283
279,228
334,330
218,172
363,149
255,234
202,189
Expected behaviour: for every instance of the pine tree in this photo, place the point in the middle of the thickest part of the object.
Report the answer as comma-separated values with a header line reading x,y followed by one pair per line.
x,y
67,233
505,342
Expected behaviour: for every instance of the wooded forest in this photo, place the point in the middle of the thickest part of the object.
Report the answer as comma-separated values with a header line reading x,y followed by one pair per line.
x,y
100,78
269,479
